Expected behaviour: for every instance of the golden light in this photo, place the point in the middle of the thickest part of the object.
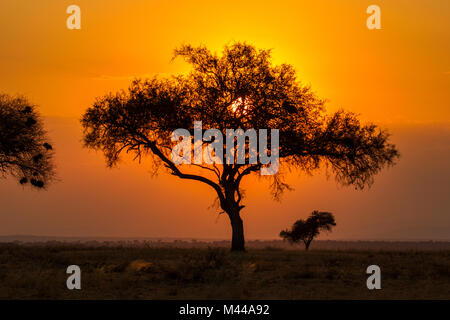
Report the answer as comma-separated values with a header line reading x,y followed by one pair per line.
x,y
240,105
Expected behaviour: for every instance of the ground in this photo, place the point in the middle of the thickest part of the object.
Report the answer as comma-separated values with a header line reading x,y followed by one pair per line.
x,y
37,271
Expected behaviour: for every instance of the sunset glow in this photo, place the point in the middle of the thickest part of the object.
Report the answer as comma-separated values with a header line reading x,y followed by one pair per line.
x,y
397,77
240,106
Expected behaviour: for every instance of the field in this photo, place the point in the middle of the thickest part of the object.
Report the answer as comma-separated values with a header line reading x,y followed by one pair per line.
x,y
38,271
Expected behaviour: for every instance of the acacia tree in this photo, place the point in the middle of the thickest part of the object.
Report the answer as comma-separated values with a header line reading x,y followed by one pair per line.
x,y
307,230
24,150
238,89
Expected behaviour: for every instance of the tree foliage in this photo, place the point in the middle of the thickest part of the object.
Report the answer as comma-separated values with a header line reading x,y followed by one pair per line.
x,y
307,230
25,152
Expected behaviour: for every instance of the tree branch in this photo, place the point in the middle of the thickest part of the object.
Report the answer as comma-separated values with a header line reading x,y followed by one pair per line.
x,y
175,171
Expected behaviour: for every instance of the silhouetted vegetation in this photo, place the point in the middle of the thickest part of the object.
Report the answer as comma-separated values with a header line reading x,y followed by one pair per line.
x,y
129,272
25,152
238,89
307,230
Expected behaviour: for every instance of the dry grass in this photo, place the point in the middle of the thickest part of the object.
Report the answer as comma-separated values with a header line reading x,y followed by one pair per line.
x,y
39,272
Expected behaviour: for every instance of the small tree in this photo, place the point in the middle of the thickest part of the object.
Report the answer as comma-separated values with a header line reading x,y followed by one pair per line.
x,y
24,150
307,230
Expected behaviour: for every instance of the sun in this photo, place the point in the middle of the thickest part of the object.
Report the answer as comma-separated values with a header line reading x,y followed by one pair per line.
x,y
239,105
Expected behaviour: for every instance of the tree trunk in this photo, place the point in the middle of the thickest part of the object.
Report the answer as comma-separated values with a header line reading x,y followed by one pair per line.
x,y
307,243
237,227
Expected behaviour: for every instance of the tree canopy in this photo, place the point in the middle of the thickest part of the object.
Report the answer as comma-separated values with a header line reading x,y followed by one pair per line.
x,y
238,89
307,230
25,152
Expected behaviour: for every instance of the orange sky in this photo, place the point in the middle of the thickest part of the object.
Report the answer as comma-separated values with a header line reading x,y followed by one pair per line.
x,y
398,77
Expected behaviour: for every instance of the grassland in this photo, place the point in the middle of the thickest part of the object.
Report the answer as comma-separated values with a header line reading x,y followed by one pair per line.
x,y
38,271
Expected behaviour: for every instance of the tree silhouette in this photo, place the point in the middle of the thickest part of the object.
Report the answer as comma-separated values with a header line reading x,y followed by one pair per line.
x,y
238,89
24,150
307,230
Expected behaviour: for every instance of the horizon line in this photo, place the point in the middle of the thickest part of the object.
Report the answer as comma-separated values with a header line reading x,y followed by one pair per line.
x,y
213,239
